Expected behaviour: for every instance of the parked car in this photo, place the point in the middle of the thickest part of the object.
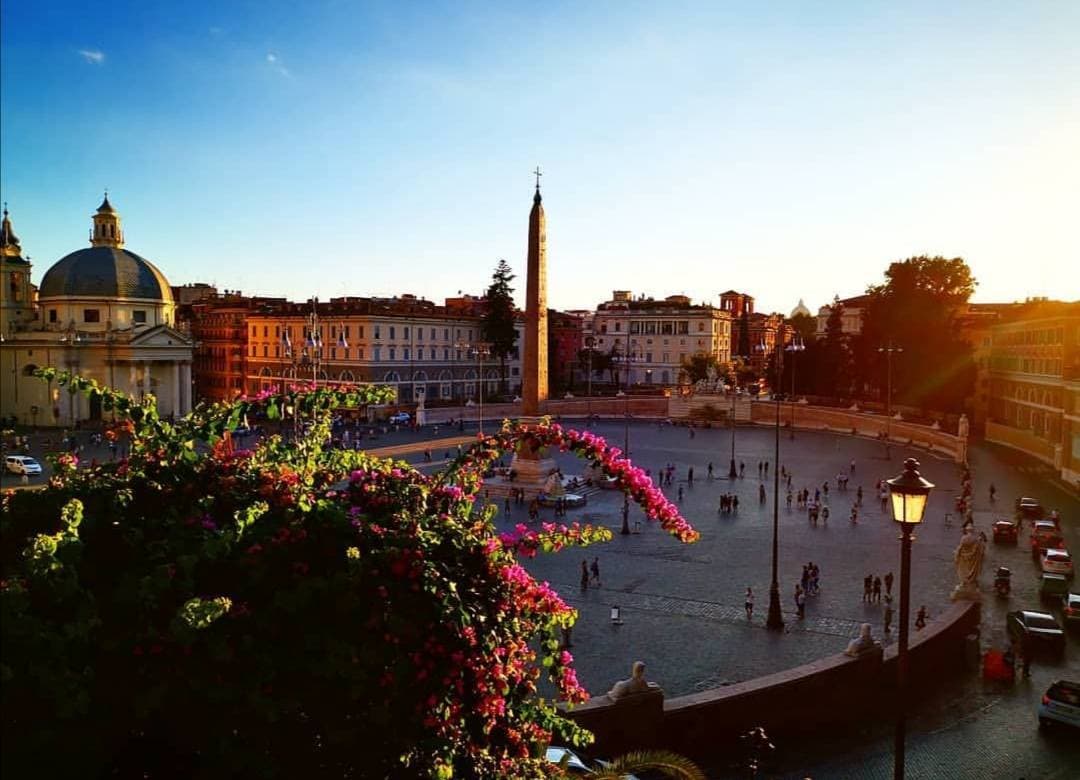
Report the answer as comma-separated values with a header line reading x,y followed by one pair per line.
x,y
1044,535
1053,587
1060,704
1029,509
576,765
22,464
1041,630
1006,532
400,418
1071,610
1057,561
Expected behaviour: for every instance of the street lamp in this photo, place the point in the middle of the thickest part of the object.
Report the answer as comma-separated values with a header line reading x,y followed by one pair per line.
x,y
795,347
775,619
909,493
480,350
889,350
626,359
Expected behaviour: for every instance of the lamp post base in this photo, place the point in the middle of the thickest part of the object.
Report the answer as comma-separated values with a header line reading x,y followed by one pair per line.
x,y
625,530
732,473
775,620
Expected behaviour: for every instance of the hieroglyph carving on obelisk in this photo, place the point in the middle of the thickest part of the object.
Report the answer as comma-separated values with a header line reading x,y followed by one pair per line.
x,y
535,364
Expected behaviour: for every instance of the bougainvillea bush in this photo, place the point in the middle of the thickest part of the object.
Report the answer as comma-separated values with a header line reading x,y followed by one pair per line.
x,y
291,610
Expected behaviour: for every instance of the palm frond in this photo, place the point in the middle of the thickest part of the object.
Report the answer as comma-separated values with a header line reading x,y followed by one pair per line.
x,y
670,764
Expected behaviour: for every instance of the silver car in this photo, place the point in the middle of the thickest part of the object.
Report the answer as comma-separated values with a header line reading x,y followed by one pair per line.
x,y
22,464
1060,704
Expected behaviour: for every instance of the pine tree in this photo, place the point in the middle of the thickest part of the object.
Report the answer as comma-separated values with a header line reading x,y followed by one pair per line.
x,y
498,322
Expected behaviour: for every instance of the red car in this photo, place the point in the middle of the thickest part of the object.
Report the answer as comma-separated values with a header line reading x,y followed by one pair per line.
x,y
1045,535
1006,532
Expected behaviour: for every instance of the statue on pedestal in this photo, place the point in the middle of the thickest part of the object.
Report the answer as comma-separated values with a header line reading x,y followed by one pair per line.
x,y
968,559
963,427
636,684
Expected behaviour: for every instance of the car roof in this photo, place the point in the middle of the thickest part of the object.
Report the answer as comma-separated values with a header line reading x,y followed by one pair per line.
x,y
1074,597
1057,553
1045,524
1030,613
1026,501
19,457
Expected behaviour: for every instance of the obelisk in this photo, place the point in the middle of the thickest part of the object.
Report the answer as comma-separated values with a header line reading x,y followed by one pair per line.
x,y
534,385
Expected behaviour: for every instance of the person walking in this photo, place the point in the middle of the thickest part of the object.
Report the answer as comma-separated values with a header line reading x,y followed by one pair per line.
x,y
680,493
800,602
742,469
825,515
690,476
506,505
867,587
748,603
584,574
709,471
595,569
993,492
805,580
920,619
854,515
888,584
815,577
888,614
877,590
761,494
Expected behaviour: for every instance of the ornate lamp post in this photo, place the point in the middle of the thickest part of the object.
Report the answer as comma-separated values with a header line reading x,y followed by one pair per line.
x,y
909,493
775,619
889,350
795,347
480,350
626,359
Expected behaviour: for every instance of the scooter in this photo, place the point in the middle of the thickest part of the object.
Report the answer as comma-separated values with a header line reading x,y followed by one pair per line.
x,y
1002,581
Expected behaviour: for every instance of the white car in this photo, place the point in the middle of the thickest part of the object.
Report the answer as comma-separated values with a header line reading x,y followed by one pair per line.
x,y
1060,704
22,464
1057,561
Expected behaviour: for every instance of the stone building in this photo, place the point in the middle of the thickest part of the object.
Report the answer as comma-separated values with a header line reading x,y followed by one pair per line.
x,y
851,317
660,335
1035,384
103,312
414,345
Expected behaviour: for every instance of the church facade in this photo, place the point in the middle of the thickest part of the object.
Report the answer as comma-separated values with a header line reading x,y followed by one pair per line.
x,y
102,312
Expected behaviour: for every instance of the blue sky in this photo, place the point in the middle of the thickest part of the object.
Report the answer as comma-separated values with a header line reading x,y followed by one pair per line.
x,y
330,147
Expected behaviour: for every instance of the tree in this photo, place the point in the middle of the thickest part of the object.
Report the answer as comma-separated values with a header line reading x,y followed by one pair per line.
x,y
831,369
744,334
917,309
665,762
696,367
498,322
594,360
285,611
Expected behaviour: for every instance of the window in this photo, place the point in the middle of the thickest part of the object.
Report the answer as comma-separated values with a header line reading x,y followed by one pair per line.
x,y
392,335
667,328
139,316
405,354
52,315
618,327
419,334
433,353
254,330
404,332
393,352
446,334
684,327
266,332
91,315
265,350
377,332
376,353
635,327
433,334
446,354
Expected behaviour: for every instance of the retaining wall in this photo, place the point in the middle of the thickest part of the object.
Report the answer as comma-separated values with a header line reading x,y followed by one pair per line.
x,y
644,406
820,695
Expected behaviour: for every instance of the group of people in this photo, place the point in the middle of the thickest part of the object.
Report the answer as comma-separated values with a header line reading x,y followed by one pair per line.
x,y
729,503
590,573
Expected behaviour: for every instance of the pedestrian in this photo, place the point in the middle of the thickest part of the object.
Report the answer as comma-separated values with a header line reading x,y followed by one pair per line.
x,y
595,569
920,622
805,580
815,578
761,494
584,574
506,505
858,496
853,465
789,500
867,587
766,468
742,469
734,503
993,492
824,515
24,479
748,604
759,469
854,515
888,584
800,602
690,476
680,493
877,590
709,471
888,614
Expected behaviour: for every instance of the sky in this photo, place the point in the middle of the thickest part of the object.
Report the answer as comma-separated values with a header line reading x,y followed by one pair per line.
x,y
326,147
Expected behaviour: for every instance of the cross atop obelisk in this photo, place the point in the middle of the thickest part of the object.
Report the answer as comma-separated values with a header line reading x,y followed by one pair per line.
x,y
534,388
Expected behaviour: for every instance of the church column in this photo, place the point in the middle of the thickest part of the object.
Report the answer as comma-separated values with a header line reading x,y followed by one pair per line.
x,y
185,387
177,390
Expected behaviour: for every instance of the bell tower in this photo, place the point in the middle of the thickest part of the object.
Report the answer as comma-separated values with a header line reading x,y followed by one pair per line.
x,y
16,292
107,230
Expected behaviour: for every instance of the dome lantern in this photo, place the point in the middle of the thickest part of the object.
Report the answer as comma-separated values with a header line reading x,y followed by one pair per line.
x,y
107,230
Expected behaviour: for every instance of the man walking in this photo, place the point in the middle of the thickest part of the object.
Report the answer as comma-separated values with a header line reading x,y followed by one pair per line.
x,y
749,603
877,590
867,587
888,614
888,584
800,602
595,568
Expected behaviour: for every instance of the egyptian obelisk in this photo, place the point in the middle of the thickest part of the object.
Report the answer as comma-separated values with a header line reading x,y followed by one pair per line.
x,y
534,387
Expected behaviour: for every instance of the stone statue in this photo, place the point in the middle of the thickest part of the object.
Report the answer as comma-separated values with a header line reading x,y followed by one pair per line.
x,y
636,683
553,486
968,559
962,427
863,643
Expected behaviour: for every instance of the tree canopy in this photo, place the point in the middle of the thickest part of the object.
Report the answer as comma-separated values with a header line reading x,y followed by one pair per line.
x,y
498,322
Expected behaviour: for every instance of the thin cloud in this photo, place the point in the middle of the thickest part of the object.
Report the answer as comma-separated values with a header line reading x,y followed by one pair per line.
x,y
274,61
93,56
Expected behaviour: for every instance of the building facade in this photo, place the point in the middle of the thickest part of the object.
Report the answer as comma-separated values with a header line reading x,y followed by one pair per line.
x,y
851,317
102,312
1035,385
659,335
566,339
416,346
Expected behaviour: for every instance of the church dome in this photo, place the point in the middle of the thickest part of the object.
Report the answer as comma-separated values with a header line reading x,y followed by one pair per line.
x,y
105,272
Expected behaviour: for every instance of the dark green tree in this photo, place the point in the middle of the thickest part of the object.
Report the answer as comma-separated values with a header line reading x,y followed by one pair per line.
x,y
917,309
696,367
498,322
832,365
743,349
